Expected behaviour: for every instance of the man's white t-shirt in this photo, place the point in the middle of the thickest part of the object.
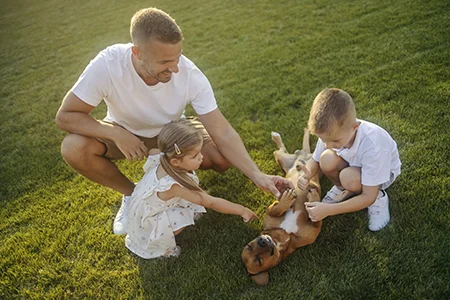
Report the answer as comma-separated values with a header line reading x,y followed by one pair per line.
x,y
373,150
139,108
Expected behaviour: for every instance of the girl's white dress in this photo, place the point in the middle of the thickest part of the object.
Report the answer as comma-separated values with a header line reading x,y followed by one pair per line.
x,y
152,221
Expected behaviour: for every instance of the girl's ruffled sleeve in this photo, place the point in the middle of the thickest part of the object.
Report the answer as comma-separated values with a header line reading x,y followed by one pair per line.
x,y
152,162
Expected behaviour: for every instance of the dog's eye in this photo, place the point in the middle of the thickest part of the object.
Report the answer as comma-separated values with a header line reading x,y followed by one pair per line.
x,y
249,247
259,260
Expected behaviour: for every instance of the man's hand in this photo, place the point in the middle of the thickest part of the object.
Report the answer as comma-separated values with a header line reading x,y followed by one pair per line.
x,y
303,180
317,211
276,185
131,146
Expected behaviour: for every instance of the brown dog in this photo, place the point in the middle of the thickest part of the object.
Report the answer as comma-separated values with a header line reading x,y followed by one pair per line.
x,y
286,224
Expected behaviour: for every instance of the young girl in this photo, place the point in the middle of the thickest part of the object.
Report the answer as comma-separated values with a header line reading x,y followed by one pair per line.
x,y
168,197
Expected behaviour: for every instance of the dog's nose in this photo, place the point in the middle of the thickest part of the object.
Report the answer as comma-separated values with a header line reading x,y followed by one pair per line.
x,y
262,242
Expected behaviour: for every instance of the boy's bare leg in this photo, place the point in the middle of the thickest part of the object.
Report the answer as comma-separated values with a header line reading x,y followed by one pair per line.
x,y
350,178
331,165
85,155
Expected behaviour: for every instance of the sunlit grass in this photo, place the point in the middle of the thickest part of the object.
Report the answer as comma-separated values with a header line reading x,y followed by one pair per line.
x,y
266,61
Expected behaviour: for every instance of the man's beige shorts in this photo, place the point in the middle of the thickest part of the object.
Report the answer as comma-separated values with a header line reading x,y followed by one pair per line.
x,y
113,152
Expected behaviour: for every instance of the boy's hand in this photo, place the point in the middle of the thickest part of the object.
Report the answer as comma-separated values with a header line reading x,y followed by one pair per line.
x,y
303,180
248,215
317,211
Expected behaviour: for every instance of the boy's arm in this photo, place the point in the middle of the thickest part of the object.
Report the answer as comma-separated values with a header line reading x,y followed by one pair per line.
x,y
366,198
313,167
309,170
318,211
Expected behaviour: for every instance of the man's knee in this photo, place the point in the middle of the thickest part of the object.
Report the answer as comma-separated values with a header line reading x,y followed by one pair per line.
x,y
213,159
221,165
218,164
77,149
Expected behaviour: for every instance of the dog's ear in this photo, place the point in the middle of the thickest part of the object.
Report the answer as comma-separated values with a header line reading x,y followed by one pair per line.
x,y
261,279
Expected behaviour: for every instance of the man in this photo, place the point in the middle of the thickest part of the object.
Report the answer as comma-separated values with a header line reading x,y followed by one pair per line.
x,y
145,85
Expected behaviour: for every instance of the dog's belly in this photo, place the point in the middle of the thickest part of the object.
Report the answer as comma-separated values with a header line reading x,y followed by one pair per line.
x,y
290,221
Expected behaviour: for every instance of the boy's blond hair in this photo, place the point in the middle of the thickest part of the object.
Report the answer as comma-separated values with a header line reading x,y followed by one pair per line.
x,y
150,24
330,107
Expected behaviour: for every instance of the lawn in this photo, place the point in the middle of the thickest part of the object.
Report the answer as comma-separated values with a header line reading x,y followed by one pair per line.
x,y
266,61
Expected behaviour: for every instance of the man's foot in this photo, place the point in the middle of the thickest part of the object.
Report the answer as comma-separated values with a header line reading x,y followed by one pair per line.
x,y
379,212
173,252
120,221
336,195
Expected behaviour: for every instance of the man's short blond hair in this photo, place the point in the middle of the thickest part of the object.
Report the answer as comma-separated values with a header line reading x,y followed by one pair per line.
x,y
330,107
150,24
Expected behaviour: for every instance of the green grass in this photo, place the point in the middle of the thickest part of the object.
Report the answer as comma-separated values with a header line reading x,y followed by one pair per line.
x,y
266,61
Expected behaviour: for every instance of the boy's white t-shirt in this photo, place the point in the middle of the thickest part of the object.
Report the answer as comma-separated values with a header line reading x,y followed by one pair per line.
x,y
373,150
139,108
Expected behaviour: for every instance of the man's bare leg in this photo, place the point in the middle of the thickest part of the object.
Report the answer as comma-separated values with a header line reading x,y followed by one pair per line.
x,y
213,159
85,155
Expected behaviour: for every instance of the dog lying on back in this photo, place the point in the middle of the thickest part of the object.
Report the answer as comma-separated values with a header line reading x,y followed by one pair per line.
x,y
286,223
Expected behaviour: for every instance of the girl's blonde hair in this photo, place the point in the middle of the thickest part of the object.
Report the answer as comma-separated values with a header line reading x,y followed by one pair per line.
x,y
174,141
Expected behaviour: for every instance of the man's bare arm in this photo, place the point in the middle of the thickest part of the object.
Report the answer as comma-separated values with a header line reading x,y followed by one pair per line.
x,y
74,117
231,146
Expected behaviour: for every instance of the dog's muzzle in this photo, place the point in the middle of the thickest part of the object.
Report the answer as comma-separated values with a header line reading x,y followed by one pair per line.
x,y
265,241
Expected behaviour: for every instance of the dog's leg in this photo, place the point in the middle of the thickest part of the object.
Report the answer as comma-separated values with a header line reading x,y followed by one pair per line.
x,y
306,146
276,137
278,208
283,158
313,195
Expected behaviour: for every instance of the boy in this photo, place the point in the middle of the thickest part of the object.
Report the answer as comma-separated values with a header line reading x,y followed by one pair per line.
x,y
360,158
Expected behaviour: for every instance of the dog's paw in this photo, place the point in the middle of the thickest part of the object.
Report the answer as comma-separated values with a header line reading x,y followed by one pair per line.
x,y
288,197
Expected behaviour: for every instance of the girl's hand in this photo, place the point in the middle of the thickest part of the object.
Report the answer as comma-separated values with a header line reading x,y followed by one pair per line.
x,y
248,215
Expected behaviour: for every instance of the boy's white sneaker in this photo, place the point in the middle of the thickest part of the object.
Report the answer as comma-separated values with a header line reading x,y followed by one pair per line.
x,y
379,212
120,221
336,195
